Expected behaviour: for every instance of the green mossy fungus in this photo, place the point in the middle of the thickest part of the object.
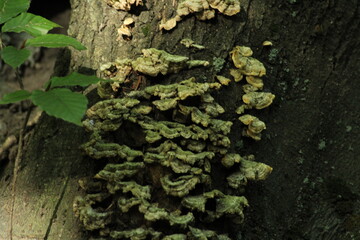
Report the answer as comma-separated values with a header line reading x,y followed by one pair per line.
x,y
164,145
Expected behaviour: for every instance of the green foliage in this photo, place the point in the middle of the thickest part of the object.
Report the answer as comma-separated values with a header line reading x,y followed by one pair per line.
x,y
11,8
61,103
58,102
55,41
15,97
14,57
30,23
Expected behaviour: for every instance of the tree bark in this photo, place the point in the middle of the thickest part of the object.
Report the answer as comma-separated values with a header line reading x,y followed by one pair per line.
x,y
312,132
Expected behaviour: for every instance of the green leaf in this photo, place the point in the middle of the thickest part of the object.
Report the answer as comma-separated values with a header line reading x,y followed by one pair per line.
x,y
16,96
74,79
55,41
30,23
13,56
11,8
61,103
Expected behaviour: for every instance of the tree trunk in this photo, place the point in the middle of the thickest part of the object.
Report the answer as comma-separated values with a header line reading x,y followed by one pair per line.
x,y
312,126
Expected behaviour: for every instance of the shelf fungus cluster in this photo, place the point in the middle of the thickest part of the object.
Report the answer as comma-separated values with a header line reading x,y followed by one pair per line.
x,y
124,5
125,30
204,10
169,173
152,63
252,70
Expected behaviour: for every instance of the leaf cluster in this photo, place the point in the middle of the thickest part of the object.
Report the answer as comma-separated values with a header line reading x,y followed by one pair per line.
x,y
58,102
55,101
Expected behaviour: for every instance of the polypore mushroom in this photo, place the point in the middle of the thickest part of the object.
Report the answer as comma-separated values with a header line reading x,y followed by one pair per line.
x,y
255,81
223,80
255,126
259,100
124,5
267,43
128,21
125,29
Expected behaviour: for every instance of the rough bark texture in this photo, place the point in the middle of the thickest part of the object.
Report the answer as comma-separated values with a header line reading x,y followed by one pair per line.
x,y
312,128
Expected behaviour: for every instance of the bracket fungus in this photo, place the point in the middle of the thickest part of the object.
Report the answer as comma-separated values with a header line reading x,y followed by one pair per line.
x,y
237,75
258,100
255,126
124,5
125,29
152,62
223,80
190,43
204,10
252,69
92,218
267,43
246,64
255,82
163,145
156,61
249,170
136,233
